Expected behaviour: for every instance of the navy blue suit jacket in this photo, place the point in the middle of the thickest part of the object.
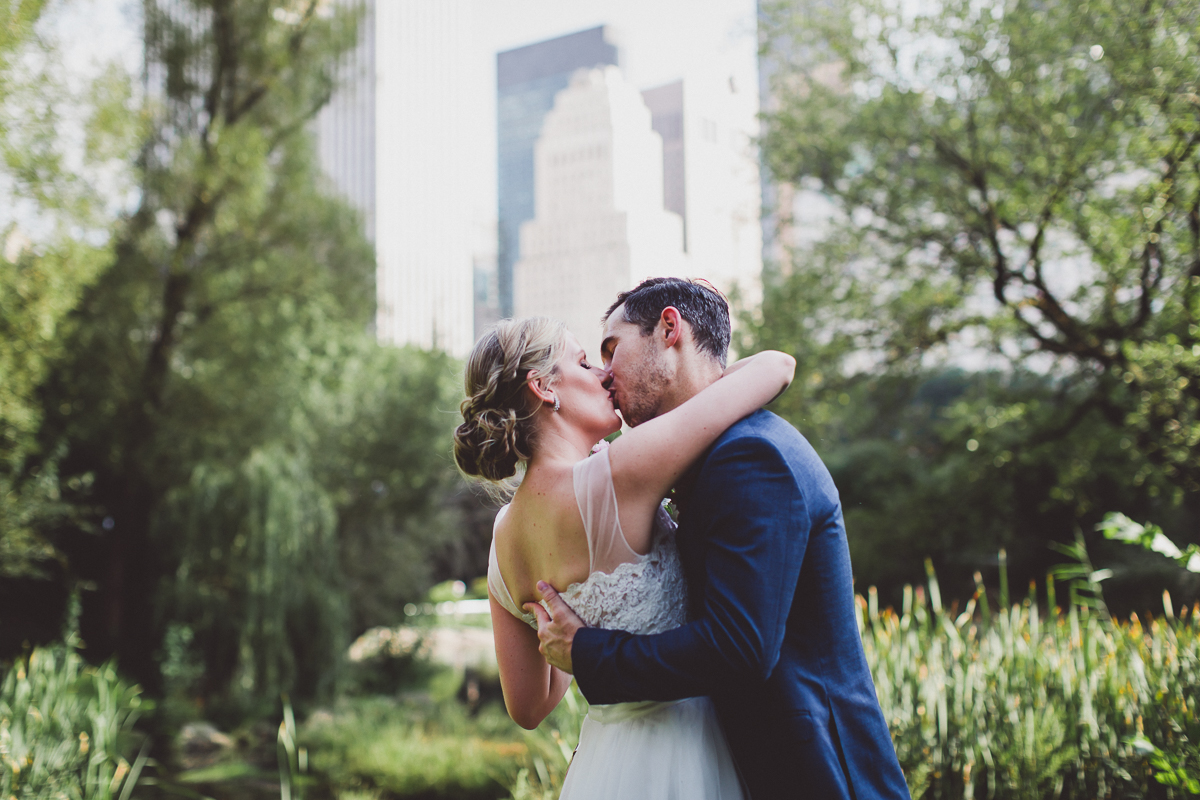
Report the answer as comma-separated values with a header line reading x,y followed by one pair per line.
x,y
773,637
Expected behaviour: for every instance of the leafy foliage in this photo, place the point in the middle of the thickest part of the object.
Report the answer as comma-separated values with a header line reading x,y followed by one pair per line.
x,y
1022,169
1149,537
188,361
311,539
997,323
65,729
944,462
37,290
52,232
386,460
405,746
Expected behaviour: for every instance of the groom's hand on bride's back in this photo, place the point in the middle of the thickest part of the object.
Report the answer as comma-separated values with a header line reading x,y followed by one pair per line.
x,y
556,629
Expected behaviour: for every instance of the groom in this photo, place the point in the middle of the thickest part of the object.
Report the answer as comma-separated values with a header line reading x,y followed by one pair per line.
x,y
773,637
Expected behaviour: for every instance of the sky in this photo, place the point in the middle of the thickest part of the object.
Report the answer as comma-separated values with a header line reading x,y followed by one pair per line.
x,y
96,32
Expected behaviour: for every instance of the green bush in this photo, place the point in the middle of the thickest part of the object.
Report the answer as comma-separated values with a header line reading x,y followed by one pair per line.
x,y
430,745
66,729
413,746
551,746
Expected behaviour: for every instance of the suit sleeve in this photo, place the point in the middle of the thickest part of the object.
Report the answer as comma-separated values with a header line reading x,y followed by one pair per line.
x,y
748,506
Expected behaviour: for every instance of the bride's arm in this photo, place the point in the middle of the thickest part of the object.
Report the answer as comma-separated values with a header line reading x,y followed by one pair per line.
x,y
648,460
532,688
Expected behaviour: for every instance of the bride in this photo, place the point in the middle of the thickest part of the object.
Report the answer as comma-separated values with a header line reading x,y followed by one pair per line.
x,y
595,528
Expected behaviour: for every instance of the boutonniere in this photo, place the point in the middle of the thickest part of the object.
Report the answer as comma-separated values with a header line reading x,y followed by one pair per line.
x,y
670,507
599,447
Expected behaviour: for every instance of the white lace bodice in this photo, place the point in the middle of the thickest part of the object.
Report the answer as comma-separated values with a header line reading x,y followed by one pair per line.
x,y
644,596
625,591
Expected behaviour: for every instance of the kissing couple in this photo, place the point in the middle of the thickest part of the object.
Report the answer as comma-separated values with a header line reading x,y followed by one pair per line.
x,y
721,659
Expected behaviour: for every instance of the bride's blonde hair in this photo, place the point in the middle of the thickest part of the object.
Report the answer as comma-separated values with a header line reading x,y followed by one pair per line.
x,y
497,432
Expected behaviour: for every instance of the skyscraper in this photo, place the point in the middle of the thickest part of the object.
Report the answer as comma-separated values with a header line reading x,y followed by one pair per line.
x,y
397,141
527,81
666,117
346,125
599,225
721,185
390,142
710,175
423,239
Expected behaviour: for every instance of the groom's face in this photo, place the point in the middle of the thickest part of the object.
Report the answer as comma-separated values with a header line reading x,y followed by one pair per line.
x,y
639,371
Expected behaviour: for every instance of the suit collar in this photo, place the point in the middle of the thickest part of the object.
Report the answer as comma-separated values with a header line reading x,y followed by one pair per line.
x,y
681,495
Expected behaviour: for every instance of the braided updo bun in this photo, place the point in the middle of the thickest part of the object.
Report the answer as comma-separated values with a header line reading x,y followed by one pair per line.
x,y
497,427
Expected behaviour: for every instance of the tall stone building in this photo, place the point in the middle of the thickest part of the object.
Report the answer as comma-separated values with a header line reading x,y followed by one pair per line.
x,y
527,81
600,225
393,137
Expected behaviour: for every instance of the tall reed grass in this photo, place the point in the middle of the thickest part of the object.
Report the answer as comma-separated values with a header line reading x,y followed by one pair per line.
x,y
66,729
1018,704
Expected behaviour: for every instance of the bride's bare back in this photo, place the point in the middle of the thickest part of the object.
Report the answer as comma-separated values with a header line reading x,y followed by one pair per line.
x,y
541,534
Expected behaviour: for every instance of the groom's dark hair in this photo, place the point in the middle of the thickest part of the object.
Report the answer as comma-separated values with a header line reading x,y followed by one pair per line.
x,y
699,303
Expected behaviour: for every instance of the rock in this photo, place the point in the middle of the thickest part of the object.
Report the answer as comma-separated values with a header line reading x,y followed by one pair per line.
x,y
200,744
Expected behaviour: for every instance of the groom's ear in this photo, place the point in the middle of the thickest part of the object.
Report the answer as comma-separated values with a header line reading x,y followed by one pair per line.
x,y
670,326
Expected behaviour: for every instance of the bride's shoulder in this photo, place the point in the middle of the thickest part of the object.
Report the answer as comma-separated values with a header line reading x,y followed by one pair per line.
x,y
501,513
543,500
501,524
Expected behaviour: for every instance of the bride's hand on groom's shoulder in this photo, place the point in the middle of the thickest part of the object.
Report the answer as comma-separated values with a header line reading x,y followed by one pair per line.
x,y
556,628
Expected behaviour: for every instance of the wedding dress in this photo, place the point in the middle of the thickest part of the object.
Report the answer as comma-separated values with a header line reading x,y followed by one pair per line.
x,y
634,751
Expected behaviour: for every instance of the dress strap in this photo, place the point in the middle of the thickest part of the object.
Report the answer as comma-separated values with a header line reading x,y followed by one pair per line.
x,y
495,581
597,499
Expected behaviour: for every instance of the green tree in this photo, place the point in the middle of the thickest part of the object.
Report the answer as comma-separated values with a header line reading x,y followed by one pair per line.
x,y
916,476
255,478
199,428
278,553
44,260
1014,186
190,361
1026,171
385,456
